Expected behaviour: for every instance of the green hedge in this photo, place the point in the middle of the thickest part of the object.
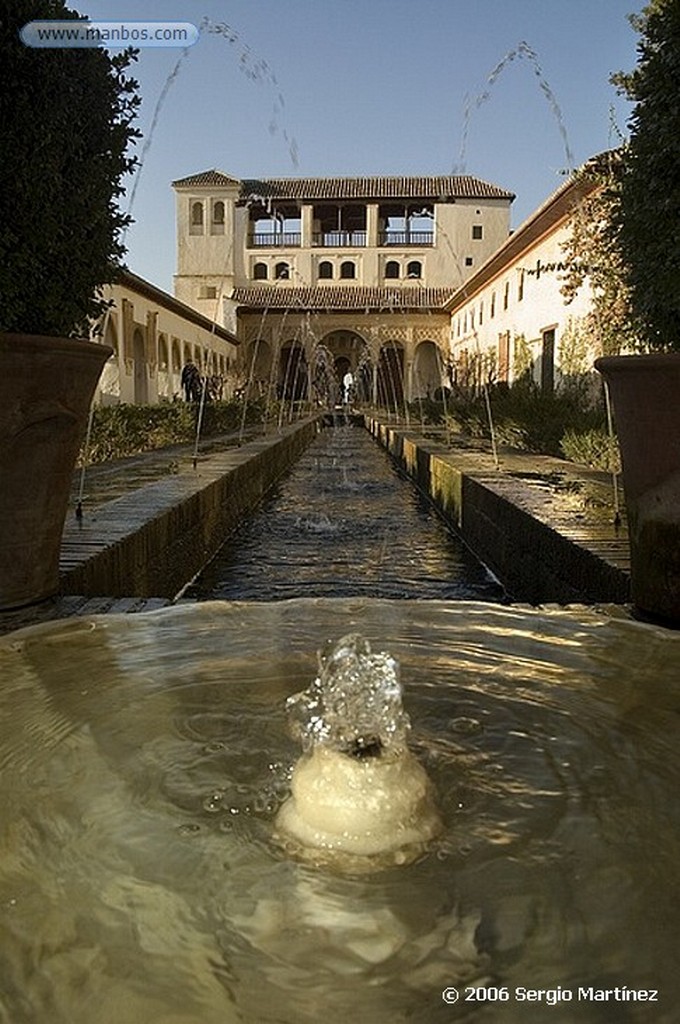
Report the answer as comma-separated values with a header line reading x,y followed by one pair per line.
x,y
120,430
569,422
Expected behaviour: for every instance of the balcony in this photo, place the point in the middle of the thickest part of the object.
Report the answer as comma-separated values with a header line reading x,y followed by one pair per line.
x,y
405,238
339,239
275,240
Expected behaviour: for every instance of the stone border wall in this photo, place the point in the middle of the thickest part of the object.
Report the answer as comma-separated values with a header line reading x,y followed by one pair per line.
x,y
500,520
154,540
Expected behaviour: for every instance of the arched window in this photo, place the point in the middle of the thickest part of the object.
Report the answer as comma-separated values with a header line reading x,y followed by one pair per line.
x,y
197,216
218,212
282,271
348,270
326,269
392,269
260,272
414,269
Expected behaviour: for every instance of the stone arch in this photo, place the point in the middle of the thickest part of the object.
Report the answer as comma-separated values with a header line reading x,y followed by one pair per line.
x,y
109,382
345,345
427,375
258,364
293,376
176,355
164,368
390,376
140,376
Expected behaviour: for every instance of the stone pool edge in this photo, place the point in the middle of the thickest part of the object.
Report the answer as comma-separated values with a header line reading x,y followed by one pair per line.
x,y
505,523
152,541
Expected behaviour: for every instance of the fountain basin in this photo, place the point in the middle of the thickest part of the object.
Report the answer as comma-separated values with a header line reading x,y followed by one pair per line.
x,y
144,760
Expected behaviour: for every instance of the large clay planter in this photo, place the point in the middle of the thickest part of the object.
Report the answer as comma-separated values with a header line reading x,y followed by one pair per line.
x,y
46,387
645,392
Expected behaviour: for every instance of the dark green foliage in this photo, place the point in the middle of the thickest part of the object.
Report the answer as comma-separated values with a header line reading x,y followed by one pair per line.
x,y
528,418
121,430
650,190
65,117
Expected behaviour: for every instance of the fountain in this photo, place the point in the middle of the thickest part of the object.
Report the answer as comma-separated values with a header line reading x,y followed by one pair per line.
x,y
358,790
147,762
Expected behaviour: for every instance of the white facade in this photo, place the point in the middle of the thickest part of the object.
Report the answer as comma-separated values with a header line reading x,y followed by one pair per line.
x,y
366,232
510,318
359,266
153,335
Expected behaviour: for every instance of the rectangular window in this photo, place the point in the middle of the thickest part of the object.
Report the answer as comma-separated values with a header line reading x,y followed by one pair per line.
x,y
477,231
504,357
548,359
468,261
493,305
481,313
506,295
520,286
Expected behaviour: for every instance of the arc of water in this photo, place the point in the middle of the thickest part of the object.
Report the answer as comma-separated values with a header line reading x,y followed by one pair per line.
x,y
255,69
521,52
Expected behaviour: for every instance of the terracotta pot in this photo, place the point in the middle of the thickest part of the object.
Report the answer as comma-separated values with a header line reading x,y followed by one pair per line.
x,y
645,393
46,387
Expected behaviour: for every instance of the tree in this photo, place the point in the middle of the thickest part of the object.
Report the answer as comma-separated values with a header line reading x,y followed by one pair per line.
x,y
66,117
648,215
593,254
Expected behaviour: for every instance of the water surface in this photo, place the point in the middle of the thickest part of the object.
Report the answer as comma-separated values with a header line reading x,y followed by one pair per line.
x,y
144,758
344,522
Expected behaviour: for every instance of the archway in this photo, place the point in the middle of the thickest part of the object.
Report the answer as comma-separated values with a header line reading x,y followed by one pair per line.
x,y
176,366
109,382
258,365
347,348
292,371
164,372
141,381
427,377
391,376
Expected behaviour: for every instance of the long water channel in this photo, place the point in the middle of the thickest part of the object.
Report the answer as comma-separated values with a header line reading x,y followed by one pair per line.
x,y
342,523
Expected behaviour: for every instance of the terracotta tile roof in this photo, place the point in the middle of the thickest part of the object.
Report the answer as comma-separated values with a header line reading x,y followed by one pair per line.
x,y
208,178
434,187
422,187
331,297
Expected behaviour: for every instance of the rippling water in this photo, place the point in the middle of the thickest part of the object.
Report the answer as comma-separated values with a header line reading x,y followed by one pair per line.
x,y
144,757
344,522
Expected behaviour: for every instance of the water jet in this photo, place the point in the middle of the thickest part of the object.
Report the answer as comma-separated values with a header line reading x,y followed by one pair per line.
x,y
358,790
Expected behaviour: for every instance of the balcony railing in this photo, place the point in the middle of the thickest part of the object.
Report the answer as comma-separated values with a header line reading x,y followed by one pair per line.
x,y
339,239
406,238
275,240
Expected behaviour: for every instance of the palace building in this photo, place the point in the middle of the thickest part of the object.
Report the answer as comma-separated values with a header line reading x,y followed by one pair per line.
x,y
349,273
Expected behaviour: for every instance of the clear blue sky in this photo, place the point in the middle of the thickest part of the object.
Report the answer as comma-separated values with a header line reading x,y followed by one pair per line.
x,y
354,87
